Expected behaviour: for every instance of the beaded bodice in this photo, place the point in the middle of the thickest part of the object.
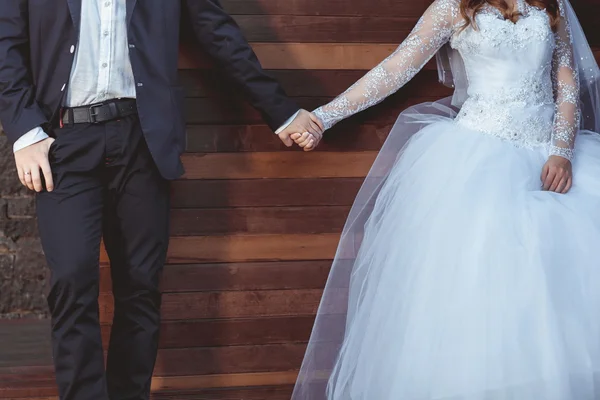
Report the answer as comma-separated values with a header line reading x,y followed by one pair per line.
x,y
522,82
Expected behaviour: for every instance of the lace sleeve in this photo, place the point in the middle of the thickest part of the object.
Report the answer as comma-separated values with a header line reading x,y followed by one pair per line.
x,y
566,88
432,31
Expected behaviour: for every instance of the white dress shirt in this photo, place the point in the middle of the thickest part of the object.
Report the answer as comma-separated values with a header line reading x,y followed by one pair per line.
x,y
101,68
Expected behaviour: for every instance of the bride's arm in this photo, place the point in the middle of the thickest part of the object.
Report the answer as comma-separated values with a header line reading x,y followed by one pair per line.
x,y
566,87
433,30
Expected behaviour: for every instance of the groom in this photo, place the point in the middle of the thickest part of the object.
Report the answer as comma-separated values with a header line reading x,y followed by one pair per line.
x,y
89,99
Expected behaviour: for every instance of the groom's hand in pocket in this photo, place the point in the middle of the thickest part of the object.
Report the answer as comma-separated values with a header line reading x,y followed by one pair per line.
x,y
304,123
32,162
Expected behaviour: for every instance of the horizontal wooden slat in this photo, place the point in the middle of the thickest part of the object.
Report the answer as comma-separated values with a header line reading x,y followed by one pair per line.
x,y
260,138
252,248
238,276
39,384
229,380
258,220
211,249
297,83
359,29
27,382
302,29
303,83
279,392
264,192
340,56
227,360
233,111
305,56
333,7
278,165
213,305
231,332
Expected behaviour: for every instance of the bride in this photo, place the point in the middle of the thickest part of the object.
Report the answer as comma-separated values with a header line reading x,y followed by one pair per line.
x,y
469,268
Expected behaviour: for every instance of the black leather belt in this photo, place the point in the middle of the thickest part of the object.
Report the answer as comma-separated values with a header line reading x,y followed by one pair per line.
x,y
99,112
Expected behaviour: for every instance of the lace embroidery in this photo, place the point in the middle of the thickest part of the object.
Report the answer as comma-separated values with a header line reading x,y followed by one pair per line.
x,y
562,152
498,32
497,113
565,79
567,93
433,30
538,107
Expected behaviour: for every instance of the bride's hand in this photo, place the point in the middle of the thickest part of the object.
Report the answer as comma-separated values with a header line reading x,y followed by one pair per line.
x,y
557,175
308,141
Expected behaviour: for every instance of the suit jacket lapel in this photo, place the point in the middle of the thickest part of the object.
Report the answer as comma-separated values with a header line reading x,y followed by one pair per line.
x,y
75,10
130,7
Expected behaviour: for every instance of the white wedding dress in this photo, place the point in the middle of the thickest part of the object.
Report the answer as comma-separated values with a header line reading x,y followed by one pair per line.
x,y
469,281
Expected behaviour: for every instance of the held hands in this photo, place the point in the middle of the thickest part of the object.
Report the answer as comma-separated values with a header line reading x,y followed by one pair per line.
x,y
306,130
32,162
557,175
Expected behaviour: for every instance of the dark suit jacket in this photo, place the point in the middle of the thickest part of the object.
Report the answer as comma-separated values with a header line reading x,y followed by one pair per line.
x,y
36,39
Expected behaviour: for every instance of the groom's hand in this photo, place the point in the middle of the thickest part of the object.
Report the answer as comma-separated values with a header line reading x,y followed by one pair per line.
x,y
32,162
304,122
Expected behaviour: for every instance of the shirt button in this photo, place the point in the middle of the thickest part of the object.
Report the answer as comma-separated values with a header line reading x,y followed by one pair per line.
x,y
104,65
72,49
107,4
105,33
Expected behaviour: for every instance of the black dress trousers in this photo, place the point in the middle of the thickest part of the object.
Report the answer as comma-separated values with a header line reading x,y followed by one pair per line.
x,y
106,186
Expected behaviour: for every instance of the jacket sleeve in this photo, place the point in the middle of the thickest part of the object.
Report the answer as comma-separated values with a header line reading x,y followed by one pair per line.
x,y
219,34
19,112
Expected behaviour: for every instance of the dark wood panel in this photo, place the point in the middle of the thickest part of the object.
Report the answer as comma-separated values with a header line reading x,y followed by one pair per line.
x,y
228,360
390,28
232,381
303,29
297,83
233,332
237,276
258,220
233,111
24,342
355,29
304,83
35,383
264,192
278,165
342,56
260,138
215,305
380,8
27,382
308,56
283,392
242,248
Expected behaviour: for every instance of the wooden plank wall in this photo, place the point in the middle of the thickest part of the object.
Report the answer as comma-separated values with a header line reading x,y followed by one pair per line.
x,y
255,225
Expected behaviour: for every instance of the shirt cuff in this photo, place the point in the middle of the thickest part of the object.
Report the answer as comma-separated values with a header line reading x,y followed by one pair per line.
x,y
287,123
32,137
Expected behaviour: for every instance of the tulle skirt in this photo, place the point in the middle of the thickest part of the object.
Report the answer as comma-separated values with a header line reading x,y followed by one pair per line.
x,y
471,283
